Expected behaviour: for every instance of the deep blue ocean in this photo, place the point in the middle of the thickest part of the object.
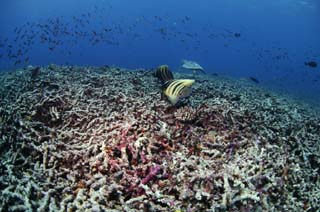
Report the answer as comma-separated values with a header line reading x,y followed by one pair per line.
x,y
276,42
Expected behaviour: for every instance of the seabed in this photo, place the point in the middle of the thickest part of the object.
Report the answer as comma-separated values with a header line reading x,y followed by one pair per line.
x,y
102,139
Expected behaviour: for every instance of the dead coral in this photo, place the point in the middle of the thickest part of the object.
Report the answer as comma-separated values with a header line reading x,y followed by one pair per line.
x,y
101,139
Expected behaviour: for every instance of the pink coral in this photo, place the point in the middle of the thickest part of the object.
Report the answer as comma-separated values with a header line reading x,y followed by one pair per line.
x,y
152,173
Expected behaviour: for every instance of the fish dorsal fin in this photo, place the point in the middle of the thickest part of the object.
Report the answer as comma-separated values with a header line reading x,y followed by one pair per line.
x,y
163,73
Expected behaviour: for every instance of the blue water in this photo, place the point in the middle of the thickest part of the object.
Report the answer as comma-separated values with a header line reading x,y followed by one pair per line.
x,y
274,38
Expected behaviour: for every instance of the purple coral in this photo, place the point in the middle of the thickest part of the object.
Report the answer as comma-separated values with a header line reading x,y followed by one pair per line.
x,y
152,173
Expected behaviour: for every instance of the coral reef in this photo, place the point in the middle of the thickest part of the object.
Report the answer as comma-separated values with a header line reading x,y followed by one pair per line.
x,y
101,139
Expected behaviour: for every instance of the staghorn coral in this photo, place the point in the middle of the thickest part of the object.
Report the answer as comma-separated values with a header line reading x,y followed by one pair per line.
x,y
101,139
189,114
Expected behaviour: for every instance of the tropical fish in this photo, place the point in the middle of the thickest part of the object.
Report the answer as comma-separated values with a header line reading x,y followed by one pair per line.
x,y
177,89
163,73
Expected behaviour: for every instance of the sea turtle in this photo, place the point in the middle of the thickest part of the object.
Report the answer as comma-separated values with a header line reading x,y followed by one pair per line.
x,y
193,66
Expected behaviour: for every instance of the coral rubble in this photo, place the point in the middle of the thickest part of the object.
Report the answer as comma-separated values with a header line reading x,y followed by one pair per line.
x,y
101,139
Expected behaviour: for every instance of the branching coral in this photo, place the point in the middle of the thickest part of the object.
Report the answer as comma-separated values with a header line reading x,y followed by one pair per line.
x,y
101,139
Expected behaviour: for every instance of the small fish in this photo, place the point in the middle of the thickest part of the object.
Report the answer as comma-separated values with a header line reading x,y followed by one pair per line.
x,y
177,89
237,35
312,64
163,31
254,80
163,73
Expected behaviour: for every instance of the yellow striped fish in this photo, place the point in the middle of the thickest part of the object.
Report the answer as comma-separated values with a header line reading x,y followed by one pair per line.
x,y
163,73
176,89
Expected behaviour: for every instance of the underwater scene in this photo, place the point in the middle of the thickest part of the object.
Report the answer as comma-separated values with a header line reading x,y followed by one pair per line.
x,y
159,106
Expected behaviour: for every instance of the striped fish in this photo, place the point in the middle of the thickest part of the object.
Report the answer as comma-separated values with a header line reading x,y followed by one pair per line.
x,y
176,89
163,73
